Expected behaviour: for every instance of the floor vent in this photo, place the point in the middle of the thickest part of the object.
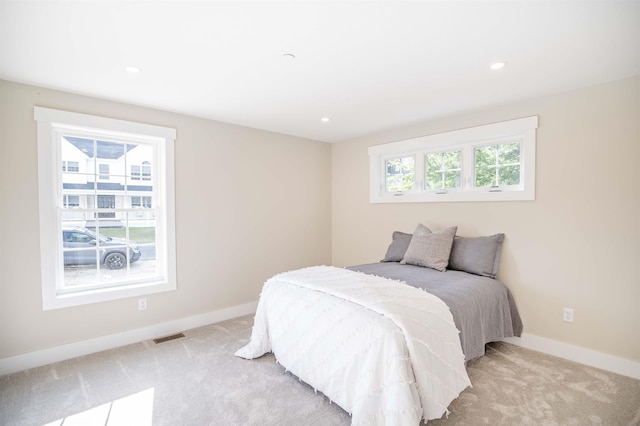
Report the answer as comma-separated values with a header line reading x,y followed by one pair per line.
x,y
167,338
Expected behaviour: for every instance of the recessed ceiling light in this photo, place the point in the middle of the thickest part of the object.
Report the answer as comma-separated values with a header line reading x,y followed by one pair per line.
x,y
132,69
325,119
289,55
497,65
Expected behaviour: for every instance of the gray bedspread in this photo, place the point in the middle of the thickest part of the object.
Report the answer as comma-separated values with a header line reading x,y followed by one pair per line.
x,y
483,308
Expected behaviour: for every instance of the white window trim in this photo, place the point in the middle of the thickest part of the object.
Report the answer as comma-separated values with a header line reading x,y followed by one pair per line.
x,y
467,140
49,122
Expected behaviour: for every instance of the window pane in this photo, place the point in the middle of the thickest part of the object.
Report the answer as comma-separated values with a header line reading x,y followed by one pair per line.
x,y
71,201
80,254
72,218
139,159
433,181
106,202
509,153
443,170
400,174
452,160
433,162
502,160
485,156
485,177
109,255
452,179
509,175
143,237
113,253
74,162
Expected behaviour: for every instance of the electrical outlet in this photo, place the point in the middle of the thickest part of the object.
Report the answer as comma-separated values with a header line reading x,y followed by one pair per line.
x,y
142,304
567,315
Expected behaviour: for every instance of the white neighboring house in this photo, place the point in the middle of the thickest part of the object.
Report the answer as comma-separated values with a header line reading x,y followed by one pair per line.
x,y
106,175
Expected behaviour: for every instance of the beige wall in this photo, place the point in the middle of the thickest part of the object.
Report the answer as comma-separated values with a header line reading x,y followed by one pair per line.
x,y
249,204
577,245
240,218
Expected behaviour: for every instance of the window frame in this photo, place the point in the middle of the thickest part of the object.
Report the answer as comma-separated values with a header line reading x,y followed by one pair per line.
x,y
50,124
522,130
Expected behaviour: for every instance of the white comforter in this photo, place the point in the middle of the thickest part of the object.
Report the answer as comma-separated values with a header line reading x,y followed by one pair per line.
x,y
386,352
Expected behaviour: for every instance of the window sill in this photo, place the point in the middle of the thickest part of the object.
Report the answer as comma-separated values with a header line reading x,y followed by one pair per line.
x,y
453,196
52,300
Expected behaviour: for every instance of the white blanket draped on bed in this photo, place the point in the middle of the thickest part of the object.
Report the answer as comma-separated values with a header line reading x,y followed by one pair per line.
x,y
386,352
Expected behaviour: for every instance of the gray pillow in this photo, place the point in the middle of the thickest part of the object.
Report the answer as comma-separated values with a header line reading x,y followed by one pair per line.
x,y
429,249
479,255
398,247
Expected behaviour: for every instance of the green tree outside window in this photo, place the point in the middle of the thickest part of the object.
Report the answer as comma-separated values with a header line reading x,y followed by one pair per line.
x,y
497,165
400,174
443,170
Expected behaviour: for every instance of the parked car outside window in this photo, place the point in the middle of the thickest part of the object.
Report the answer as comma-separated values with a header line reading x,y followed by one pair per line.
x,y
81,246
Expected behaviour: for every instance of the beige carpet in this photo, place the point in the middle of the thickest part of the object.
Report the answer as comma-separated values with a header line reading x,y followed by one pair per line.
x,y
196,380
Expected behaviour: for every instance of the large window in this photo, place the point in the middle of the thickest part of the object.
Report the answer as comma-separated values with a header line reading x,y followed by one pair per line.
x,y
495,162
95,244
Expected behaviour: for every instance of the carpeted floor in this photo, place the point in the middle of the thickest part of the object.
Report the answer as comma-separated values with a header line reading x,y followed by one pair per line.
x,y
196,380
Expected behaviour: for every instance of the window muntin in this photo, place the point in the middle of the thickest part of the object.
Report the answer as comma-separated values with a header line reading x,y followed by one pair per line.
x,y
400,174
443,170
132,252
504,169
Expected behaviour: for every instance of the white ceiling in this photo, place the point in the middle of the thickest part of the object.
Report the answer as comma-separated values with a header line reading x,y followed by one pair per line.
x,y
368,66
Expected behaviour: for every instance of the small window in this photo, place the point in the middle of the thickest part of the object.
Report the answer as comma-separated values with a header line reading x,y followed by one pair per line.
x,y
70,166
495,162
135,172
71,201
497,165
400,174
138,202
146,170
104,171
443,170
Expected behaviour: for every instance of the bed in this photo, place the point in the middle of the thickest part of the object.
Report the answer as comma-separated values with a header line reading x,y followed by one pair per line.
x,y
389,341
483,308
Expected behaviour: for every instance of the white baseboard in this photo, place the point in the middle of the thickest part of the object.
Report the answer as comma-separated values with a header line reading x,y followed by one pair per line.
x,y
60,353
17,363
578,354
